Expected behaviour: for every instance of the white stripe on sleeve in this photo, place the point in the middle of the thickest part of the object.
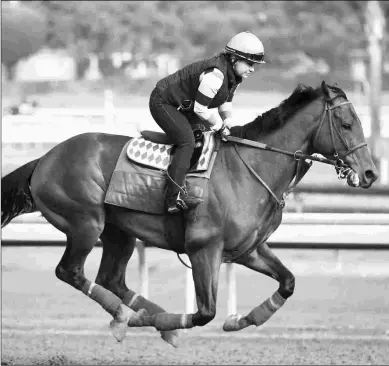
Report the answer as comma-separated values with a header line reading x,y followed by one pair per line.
x,y
210,83
226,107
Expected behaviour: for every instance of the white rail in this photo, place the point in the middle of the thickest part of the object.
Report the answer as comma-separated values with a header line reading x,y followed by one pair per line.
x,y
296,229
304,230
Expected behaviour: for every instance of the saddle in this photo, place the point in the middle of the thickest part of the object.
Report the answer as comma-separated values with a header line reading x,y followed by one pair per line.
x,y
139,179
156,150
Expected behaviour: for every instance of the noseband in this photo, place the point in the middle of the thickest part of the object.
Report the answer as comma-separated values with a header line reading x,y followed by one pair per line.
x,y
328,108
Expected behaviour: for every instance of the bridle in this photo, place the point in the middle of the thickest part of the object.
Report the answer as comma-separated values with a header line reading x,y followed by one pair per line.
x,y
328,108
342,169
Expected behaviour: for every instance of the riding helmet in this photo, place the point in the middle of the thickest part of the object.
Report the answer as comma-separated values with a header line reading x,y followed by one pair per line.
x,y
248,46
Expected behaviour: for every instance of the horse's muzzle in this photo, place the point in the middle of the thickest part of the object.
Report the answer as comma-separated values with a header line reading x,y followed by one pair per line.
x,y
368,178
364,180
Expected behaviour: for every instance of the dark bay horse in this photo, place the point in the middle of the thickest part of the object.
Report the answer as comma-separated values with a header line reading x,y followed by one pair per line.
x,y
239,213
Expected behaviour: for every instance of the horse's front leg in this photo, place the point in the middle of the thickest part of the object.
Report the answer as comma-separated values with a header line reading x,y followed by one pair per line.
x,y
206,264
263,260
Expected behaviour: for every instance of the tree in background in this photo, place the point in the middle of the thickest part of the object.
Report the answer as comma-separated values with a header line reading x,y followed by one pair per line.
x,y
192,30
23,32
197,29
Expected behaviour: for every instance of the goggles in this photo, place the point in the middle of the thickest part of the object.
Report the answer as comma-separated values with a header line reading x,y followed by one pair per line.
x,y
255,57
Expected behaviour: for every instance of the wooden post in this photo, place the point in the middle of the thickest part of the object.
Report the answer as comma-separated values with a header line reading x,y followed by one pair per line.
x,y
375,30
338,260
358,71
190,293
384,170
143,270
231,291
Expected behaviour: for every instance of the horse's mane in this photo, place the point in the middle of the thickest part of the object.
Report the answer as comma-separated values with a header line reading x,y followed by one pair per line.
x,y
277,117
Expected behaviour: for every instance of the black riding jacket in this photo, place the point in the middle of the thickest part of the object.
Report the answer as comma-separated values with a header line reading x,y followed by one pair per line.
x,y
183,84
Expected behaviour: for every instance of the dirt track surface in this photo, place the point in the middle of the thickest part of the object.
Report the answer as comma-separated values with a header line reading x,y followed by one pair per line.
x,y
64,349
338,314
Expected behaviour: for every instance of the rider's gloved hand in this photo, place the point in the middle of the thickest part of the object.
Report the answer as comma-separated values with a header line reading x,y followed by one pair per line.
x,y
228,122
224,132
225,129
222,128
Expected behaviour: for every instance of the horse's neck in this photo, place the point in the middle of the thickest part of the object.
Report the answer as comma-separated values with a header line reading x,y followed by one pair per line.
x,y
296,133
277,169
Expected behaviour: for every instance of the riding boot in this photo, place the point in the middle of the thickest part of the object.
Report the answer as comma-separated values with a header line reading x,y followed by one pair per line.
x,y
177,197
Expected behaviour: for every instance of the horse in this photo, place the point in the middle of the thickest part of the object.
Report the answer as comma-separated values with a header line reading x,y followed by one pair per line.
x,y
243,201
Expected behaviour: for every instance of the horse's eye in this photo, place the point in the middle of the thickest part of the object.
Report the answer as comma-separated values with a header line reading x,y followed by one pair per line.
x,y
346,126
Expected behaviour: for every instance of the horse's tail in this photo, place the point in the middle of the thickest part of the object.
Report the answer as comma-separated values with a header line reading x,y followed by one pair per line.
x,y
16,198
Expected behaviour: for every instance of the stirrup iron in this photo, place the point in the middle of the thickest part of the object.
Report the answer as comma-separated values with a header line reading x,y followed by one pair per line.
x,y
180,202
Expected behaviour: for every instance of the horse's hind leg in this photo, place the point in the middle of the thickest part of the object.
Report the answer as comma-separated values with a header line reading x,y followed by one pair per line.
x,y
263,260
81,238
118,248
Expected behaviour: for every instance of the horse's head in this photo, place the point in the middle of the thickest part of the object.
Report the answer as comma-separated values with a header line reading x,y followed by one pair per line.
x,y
340,135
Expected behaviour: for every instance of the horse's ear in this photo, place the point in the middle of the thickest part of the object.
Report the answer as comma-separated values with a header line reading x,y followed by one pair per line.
x,y
328,91
325,89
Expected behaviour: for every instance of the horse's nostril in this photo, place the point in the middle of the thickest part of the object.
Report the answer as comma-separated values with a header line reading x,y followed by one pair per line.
x,y
369,174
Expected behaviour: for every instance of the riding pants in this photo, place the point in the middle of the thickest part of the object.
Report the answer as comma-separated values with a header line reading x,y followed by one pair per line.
x,y
178,129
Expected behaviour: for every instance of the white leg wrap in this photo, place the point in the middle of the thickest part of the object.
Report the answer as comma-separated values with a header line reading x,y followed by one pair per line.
x,y
276,300
133,300
273,304
263,312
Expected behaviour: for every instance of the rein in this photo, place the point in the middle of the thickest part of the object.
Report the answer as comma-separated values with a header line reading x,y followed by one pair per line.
x,y
302,168
297,154
341,167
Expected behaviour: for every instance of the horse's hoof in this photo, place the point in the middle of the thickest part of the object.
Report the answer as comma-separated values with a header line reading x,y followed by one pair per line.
x,y
118,324
232,323
136,320
171,337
